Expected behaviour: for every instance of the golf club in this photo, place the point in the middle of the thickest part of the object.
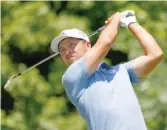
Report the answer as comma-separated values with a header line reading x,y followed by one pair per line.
x,y
42,61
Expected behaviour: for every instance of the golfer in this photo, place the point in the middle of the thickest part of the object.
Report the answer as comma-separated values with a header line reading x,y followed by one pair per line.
x,y
102,94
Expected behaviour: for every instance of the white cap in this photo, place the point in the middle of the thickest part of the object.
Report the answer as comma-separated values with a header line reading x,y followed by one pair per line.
x,y
74,33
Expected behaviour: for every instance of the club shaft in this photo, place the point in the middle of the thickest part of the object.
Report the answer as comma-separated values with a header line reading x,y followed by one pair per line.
x,y
98,30
42,61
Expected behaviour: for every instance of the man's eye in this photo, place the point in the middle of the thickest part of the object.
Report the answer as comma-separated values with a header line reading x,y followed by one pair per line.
x,y
62,51
72,45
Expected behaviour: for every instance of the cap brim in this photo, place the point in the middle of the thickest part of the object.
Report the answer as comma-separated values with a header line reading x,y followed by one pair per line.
x,y
55,42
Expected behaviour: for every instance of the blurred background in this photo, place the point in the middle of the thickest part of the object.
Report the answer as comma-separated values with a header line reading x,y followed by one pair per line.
x,y
37,100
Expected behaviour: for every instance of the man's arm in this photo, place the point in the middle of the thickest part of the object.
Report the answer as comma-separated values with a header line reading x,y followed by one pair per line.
x,y
143,65
103,44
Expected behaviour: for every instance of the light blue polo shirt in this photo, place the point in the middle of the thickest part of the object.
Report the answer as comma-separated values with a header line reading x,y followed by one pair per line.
x,y
105,99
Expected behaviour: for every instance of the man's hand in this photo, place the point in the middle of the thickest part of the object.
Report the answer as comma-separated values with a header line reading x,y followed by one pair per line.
x,y
128,17
116,16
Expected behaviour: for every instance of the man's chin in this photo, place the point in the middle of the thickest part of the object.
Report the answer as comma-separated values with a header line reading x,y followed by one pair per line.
x,y
72,60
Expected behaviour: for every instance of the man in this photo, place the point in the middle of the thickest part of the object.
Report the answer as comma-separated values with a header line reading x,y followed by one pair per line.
x,y
102,94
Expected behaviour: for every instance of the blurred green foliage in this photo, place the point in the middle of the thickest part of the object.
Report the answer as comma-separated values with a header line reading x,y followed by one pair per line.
x,y
38,97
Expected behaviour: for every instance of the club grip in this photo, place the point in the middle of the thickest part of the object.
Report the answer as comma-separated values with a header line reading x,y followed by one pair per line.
x,y
100,29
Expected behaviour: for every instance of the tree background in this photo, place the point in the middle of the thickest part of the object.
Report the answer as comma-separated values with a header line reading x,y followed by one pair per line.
x,y
37,100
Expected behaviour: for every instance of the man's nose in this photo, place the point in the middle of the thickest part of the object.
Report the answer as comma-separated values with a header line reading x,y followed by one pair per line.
x,y
68,52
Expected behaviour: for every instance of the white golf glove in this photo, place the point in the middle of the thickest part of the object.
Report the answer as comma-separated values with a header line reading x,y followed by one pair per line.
x,y
127,17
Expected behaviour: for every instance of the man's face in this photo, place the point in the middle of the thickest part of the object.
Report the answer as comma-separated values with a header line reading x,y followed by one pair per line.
x,y
72,49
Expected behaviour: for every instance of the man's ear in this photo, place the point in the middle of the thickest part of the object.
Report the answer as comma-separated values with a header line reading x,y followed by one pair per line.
x,y
88,44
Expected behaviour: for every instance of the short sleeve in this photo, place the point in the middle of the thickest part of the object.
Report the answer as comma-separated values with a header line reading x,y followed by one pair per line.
x,y
129,67
75,79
